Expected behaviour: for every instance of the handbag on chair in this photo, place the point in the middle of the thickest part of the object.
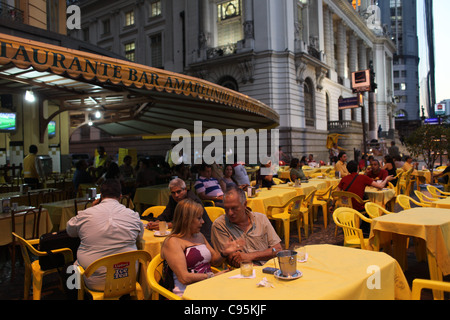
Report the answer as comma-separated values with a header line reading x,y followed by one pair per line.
x,y
56,240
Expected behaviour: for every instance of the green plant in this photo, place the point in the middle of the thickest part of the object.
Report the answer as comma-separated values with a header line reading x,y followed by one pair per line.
x,y
429,142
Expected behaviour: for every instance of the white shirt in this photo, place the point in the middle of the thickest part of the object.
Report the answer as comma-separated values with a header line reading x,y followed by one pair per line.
x,y
240,175
105,229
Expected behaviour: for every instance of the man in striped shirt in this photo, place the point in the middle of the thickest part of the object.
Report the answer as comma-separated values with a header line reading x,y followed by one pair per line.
x,y
207,187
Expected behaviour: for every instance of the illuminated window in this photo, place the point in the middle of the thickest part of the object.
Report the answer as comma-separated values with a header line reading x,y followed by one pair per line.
x,y
229,9
129,18
130,51
155,9
230,24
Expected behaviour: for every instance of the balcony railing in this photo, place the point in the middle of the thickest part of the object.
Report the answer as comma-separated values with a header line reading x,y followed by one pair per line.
x,y
343,126
8,12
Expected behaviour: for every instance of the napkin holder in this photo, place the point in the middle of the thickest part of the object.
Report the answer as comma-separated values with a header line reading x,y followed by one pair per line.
x,y
251,192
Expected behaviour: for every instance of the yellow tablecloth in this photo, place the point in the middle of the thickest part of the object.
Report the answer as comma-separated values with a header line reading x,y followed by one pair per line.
x,y
430,224
305,188
45,226
154,195
273,197
331,182
380,197
62,211
330,273
150,243
443,203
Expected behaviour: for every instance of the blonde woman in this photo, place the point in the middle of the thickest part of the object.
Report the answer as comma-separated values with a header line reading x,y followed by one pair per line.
x,y
187,252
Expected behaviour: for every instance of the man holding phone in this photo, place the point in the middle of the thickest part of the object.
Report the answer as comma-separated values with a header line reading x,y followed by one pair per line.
x,y
106,228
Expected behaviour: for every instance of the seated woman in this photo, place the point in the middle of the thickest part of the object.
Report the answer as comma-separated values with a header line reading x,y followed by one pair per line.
x,y
390,167
186,251
227,180
296,170
265,175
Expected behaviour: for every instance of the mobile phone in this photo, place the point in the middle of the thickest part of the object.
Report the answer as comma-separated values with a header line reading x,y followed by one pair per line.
x,y
270,270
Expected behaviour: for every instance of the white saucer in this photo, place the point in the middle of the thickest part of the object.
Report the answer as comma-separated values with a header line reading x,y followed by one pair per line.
x,y
158,234
278,275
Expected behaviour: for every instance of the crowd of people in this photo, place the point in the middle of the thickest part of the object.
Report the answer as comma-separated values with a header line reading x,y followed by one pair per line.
x,y
196,244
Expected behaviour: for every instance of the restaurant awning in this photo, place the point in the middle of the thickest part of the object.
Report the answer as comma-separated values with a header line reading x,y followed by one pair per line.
x,y
133,99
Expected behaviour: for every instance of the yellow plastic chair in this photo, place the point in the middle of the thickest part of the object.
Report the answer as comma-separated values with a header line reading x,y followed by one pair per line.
x,y
344,199
419,284
277,181
348,220
287,213
307,210
322,199
154,274
423,198
405,202
123,264
155,210
33,269
374,210
437,193
214,212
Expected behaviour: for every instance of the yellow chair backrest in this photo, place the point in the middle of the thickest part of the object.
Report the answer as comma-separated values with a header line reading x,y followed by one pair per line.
x,y
405,202
423,198
344,199
374,210
214,212
293,206
436,193
155,210
347,219
324,195
154,274
419,284
121,274
28,246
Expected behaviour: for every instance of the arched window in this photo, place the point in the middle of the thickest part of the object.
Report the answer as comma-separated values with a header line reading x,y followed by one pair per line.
x,y
309,103
229,82
341,112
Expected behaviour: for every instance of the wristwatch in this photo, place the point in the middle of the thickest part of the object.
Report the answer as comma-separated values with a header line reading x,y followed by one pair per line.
x,y
274,251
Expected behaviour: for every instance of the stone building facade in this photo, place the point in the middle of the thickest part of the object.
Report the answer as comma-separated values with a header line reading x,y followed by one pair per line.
x,y
296,56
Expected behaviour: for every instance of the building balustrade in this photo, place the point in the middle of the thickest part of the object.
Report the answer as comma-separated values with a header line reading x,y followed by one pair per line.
x,y
8,12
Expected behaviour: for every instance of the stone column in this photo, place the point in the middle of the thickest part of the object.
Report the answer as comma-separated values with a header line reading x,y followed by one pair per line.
x,y
342,49
249,26
329,36
353,52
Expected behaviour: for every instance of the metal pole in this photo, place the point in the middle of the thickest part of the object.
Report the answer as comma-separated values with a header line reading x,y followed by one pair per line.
x,y
363,115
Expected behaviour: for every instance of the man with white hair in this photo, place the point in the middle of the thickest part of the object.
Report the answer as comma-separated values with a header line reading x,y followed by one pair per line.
x,y
178,192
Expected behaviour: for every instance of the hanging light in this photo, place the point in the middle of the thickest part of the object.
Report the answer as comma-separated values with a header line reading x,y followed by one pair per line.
x,y
98,115
29,96
90,123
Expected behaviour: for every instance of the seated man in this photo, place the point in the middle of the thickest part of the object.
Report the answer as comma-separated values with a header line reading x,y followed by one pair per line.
x,y
341,166
258,238
207,187
106,228
375,172
356,183
179,192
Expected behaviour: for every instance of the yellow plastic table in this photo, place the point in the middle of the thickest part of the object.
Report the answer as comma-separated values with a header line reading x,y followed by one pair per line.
x,y
61,212
330,273
265,198
150,242
442,203
432,225
153,195
305,188
380,197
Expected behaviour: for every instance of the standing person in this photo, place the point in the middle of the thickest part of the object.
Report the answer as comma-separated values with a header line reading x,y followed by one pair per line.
x,y
106,228
341,164
261,242
127,169
393,150
32,168
81,175
100,159
179,192
186,250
